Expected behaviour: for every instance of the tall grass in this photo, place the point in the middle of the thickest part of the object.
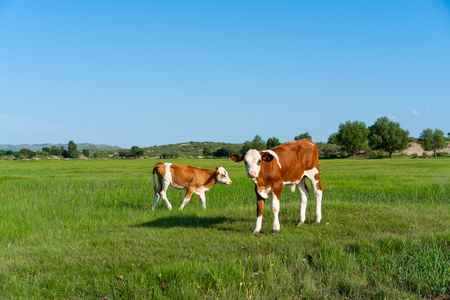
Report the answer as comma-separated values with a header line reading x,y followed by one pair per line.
x,y
85,229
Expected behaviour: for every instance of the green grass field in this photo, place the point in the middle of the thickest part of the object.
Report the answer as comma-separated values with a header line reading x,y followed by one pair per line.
x,y
85,229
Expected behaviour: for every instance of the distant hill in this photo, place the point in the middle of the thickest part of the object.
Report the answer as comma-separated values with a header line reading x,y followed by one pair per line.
x,y
189,149
36,147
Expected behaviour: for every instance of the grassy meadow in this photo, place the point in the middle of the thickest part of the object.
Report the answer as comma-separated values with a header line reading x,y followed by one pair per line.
x,y
84,229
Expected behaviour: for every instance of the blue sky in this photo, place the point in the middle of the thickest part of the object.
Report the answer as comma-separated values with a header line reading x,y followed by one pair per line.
x,y
147,73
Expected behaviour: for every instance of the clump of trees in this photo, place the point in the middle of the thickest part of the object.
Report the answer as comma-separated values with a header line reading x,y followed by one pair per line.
x,y
272,142
384,136
223,152
302,136
352,137
388,135
432,140
190,149
257,143
134,152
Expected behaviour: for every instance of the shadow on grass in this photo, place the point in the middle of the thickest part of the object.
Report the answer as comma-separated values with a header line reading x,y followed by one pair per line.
x,y
184,221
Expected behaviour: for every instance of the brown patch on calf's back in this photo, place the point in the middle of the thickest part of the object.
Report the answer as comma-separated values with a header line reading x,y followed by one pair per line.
x,y
183,176
161,168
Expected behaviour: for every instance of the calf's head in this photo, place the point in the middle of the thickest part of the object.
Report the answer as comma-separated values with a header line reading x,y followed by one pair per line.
x,y
222,176
252,159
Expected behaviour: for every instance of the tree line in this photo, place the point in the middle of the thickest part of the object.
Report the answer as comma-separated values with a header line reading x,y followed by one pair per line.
x,y
383,138
70,152
353,137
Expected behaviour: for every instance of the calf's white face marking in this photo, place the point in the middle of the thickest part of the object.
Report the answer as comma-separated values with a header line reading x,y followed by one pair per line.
x,y
252,162
223,176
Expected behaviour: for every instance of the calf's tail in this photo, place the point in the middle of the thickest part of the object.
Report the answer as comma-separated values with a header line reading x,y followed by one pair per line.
x,y
154,181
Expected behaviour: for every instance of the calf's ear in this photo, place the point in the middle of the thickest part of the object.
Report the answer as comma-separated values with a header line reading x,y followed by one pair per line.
x,y
265,156
236,157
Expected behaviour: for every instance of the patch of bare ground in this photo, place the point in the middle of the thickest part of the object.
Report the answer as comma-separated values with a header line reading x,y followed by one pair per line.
x,y
415,148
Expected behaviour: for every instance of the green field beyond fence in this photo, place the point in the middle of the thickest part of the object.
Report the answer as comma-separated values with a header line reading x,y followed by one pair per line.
x,y
85,229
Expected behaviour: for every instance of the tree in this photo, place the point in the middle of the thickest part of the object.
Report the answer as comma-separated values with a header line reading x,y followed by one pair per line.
x,y
432,140
55,151
46,149
207,152
303,136
86,152
272,142
332,139
65,153
124,153
257,143
135,151
352,137
223,152
27,153
328,150
72,150
387,135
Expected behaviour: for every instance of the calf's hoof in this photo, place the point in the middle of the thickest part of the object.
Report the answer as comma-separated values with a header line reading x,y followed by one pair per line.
x,y
276,231
317,221
300,223
255,232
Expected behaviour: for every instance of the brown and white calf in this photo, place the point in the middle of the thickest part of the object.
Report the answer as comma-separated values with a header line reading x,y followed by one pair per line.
x,y
288,164
193,179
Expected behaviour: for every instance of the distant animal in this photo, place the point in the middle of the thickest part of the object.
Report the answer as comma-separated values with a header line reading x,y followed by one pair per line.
x,y
193,179
287,164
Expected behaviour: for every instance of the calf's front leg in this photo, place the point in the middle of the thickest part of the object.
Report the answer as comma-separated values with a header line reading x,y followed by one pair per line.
x,y
187,197
276,195
259,212
202,199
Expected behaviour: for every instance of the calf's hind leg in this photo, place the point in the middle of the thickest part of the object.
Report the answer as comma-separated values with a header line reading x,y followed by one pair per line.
x,y
318,192
163,194
303,191
155,200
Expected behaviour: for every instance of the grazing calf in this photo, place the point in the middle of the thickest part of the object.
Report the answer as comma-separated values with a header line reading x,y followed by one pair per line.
x,y
193,179
288,164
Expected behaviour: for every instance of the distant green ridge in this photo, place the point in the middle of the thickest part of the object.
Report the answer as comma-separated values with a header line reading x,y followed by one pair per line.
x,y
36,147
